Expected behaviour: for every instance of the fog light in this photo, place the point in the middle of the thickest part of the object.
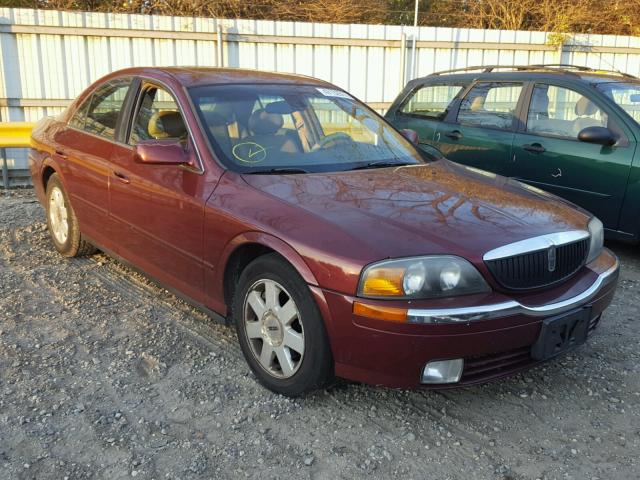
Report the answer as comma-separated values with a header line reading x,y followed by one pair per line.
x,y
442,371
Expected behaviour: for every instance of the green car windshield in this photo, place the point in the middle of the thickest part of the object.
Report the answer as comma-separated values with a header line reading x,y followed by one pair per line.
x,y
625,94
296,128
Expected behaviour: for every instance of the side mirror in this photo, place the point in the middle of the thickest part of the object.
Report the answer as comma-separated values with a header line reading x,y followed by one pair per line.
x,y
410,135
160,152
598,135
432,152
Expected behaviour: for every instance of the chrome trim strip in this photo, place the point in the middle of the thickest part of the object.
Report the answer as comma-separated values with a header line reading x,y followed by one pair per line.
x,y
535,244
512,307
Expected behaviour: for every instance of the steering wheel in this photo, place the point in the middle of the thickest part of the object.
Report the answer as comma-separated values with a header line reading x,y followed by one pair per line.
x,y
333,140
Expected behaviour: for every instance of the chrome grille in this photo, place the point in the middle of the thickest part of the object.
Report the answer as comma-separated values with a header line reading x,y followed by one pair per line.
x,y
534,269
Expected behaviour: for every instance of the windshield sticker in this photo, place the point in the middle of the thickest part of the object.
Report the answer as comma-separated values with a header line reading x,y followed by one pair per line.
x,y
329,92
249,152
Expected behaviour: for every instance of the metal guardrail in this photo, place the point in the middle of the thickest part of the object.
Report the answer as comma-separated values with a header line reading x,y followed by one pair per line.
x,y
13,135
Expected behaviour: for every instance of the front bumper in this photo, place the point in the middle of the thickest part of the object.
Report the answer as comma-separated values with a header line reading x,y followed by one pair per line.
x,y
493,335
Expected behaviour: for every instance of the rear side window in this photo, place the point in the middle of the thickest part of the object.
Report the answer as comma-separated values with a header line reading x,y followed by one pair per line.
x,y
80,114
562,112
104,108
431,101
490,105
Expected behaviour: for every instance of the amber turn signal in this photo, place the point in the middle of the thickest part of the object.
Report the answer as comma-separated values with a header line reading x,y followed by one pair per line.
x,y
389,314
384,282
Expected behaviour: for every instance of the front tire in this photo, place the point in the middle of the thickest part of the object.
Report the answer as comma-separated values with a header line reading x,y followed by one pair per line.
x,y
63,223
280,329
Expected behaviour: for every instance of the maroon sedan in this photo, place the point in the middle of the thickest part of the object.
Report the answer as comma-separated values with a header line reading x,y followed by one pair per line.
x,y
283,205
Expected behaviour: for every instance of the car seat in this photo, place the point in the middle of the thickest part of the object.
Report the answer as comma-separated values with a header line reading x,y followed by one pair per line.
x,y
167,124
585,109
264,128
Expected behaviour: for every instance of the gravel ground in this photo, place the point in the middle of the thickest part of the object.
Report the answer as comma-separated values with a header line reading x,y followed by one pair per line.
x,y
105,375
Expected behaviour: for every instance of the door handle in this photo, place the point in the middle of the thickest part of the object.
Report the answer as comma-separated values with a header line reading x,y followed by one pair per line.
x,y
534,147
454,135
61,154
122,177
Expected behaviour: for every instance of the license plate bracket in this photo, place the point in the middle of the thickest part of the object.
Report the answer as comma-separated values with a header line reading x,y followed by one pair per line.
x,y
562,333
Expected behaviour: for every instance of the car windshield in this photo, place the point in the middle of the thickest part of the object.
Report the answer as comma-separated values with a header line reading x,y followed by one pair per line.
x,y
625,94
296,129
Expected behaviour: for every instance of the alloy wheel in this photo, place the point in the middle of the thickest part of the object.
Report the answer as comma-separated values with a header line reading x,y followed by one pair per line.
x,y
273,328
58,215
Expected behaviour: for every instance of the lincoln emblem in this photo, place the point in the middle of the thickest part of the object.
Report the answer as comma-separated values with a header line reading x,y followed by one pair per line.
x,y
551,258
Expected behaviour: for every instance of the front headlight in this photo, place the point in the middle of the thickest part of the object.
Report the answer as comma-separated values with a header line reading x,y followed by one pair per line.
x,y
421,277
596,231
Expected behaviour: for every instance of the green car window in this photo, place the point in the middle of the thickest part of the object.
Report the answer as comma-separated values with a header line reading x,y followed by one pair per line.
x,y
625,94
431,101
562,112
490,105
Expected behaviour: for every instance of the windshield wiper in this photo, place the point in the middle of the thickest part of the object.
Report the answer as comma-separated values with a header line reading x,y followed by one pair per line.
x,y
380,164
277,171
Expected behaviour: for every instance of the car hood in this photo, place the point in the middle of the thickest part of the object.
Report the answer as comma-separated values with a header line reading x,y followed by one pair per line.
x,y
440,207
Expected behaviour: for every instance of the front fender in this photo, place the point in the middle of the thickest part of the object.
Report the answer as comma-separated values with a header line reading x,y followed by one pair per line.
x,y
287,252
272,242
255,238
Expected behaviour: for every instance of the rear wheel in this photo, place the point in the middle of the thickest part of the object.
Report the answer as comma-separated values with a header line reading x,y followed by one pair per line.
x,y
63,223
280,328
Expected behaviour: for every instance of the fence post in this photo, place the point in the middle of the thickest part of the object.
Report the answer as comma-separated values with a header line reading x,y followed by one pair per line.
x,y
5,169
219,46
403,59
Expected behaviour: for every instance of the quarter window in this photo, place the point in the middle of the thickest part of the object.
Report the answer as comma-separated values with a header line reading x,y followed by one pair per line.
x,y
158,117
562,112
104,109
491,105
431,101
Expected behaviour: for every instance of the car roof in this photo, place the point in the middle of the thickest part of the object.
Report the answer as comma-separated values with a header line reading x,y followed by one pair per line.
x,y
519,73
193,76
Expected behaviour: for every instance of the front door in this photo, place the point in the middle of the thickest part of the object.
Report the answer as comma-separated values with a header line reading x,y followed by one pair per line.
x,y
159,209
425,108
549,155
481,133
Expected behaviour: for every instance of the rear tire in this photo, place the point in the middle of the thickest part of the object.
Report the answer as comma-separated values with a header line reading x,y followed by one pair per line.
x,y
280,329
62,222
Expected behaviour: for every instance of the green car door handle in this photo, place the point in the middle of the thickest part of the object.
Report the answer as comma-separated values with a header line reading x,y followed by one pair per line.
x,y
534,147
454,135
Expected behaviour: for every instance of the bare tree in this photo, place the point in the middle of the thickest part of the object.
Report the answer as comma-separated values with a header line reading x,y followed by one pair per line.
x,y
564,16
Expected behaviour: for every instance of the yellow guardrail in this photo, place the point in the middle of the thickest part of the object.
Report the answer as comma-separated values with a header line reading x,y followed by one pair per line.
x,y
15,134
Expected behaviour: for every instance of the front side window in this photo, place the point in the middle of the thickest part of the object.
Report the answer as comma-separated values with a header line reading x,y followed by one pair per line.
x,y
431,101
561,112
157,117
625,94
490,105
299,127
105,106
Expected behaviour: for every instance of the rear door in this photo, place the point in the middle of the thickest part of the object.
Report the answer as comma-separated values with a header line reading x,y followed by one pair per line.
x,y
425,108
481,131
548,154
85,147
